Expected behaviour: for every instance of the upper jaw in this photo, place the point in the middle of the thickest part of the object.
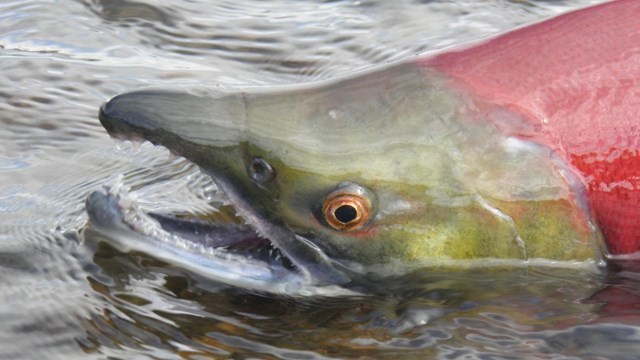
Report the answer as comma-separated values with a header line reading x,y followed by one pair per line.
x,y
201,115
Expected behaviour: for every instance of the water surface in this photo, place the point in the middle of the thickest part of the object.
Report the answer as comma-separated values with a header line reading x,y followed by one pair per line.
x,y
66,294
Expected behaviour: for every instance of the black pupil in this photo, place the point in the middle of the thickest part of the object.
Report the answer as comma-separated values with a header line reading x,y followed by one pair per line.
x,y
345,213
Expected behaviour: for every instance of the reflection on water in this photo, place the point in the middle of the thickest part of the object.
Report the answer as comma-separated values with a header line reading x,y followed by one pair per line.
x,y
490,313
69,296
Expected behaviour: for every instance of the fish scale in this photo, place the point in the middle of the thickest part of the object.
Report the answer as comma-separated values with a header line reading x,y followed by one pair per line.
x,y
613,191
575,80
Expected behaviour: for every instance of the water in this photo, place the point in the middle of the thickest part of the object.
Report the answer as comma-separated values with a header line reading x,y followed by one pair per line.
x,y
65,295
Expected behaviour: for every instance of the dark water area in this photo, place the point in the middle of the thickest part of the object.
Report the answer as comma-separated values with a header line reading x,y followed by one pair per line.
x,y
66,294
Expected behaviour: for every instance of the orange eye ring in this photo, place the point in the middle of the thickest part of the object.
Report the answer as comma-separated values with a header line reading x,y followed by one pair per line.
x,y
346,210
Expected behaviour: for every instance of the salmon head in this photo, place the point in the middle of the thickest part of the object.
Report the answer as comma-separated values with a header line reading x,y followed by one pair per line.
x,y
391,167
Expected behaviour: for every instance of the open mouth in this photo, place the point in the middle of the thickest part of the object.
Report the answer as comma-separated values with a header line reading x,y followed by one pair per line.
x,y
234,239
227,252
221,251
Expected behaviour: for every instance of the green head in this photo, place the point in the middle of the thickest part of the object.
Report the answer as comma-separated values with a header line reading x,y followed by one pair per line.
x,y
387,167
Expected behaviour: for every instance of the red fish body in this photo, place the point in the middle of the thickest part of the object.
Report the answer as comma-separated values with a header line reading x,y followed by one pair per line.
x,y
571,83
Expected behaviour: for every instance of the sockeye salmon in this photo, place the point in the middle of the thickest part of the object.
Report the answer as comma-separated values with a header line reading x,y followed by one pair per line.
x,y
523,147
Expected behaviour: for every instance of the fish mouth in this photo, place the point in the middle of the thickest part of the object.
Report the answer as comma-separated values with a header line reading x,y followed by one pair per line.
x,y
261,255
230,253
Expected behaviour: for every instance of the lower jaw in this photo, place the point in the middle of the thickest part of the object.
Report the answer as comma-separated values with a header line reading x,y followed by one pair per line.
x,y
248,261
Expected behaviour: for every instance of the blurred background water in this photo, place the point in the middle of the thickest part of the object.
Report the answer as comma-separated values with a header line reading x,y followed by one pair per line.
x,y
64,296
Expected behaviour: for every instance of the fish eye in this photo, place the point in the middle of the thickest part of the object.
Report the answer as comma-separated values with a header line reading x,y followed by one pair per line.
x,y
261,171
347,208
